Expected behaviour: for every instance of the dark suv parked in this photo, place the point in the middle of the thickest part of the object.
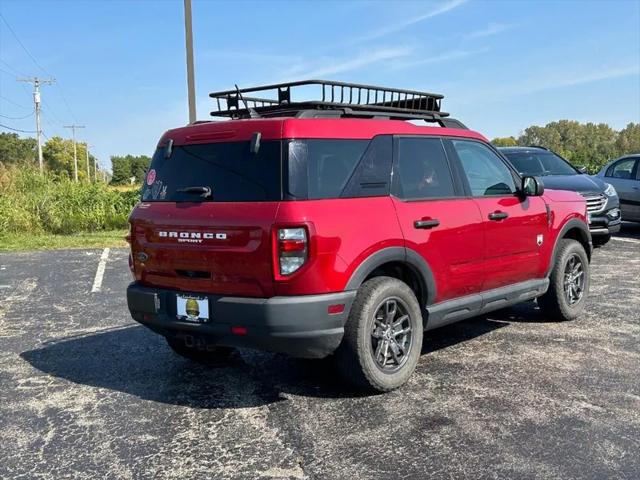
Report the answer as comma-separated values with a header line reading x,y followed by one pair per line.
x,y
603,204
314,227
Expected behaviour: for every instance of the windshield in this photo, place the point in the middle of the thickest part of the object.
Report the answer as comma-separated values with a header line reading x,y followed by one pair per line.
x,y
539,163
230,170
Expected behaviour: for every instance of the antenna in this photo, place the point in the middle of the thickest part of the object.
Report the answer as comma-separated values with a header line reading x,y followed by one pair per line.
x,y
252,112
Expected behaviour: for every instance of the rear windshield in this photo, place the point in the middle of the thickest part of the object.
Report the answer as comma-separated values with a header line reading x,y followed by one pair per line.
x,y
290,169
230,170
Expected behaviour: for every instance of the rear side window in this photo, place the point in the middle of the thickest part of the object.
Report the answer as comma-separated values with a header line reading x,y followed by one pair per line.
x,y
321,168
422,170
230,170
372,176
485,171
621,169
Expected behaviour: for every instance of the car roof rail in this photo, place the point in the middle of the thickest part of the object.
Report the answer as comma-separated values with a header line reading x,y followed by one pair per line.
x,y
330,99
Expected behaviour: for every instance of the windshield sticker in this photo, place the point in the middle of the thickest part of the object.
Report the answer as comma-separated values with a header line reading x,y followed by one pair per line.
x,y
163,193
151,176
155,189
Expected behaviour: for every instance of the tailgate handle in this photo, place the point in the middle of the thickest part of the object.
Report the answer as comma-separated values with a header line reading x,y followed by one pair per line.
x,y
194,273
426,224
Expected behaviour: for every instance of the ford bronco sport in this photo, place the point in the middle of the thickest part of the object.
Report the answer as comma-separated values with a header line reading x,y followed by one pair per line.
x,y
334,226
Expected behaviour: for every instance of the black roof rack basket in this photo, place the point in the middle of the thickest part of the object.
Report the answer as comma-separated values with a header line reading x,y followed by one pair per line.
x,y
332,100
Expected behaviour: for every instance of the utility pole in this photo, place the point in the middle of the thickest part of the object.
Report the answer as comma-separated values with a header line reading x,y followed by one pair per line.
x,y
75,150
36,100
191,82
88,167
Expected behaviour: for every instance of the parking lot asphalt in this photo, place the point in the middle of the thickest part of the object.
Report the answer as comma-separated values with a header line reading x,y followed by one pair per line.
x,y
85,392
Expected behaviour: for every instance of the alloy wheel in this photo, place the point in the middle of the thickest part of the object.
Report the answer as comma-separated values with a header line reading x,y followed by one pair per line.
x,y
574,278
391,335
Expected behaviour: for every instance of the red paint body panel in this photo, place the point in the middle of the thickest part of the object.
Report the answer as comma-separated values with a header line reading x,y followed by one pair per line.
x,y
466,252
454,250
239,265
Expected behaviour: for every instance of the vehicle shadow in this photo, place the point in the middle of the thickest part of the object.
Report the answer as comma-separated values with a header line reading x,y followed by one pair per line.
x,y
629,230
137,362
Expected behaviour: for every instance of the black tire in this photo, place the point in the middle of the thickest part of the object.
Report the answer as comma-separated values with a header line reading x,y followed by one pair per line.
x,y
205,354
556,304
601,240
366,335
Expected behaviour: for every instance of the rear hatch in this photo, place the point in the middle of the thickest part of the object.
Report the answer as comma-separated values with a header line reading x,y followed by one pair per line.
x,y
204,223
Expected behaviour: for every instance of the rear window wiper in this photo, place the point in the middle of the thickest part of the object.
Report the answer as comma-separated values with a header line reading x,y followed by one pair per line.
x,y
204,192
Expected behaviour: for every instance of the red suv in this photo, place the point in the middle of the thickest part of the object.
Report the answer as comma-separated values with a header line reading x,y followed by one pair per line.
x,y
334,226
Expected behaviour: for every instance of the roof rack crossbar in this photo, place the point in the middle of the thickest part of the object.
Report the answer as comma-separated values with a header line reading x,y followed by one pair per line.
x,y
347,99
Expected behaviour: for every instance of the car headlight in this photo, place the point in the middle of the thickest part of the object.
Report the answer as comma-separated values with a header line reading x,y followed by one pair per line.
x,y
609,191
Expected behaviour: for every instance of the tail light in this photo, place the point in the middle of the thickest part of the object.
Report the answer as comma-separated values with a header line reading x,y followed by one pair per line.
x,y
291,250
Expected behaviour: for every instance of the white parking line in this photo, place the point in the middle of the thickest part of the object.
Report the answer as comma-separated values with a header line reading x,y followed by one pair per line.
x,y
623,239
97,282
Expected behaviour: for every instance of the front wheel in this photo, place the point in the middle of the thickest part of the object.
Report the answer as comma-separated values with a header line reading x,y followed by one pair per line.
x,y
383,336
568,283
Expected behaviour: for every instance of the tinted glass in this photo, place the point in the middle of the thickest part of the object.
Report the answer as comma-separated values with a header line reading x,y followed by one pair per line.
x,y
373,173
230,170
422,169
321,168
539,163
621,169
485,171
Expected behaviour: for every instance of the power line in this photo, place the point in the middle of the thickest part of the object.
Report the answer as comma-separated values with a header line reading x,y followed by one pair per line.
x,y
33,59
16,129
17,72
13,103
18,118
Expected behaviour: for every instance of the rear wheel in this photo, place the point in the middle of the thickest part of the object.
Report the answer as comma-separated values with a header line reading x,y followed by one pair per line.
x,y
205,354
568,283
383,336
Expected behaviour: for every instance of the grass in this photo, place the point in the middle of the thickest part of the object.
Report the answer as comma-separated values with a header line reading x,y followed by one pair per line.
x,y
14,242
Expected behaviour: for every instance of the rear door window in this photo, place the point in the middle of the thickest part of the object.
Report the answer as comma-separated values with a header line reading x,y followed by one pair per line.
x,y
422,170
230,170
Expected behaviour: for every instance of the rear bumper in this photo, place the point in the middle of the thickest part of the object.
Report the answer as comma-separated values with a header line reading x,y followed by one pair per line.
x,y
299,326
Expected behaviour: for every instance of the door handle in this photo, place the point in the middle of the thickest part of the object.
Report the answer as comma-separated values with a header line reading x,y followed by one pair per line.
x,y
498,215
426,224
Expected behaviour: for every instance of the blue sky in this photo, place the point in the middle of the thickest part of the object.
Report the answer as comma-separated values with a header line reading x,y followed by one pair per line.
x,y
502,65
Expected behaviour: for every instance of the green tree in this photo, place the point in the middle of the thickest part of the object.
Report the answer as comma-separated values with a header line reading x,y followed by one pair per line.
x,y
58,157
120,170
16,150
139,167
628,140
504,142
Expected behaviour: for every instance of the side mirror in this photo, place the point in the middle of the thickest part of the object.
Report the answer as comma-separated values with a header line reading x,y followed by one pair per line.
x,y
532,187
581,169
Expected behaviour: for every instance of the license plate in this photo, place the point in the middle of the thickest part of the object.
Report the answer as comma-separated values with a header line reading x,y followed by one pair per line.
x,y
192,309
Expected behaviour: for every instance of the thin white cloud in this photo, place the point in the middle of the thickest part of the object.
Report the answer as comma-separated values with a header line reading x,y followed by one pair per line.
x,y
332,66
489,30
444,57
570,81
412,19
535,85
